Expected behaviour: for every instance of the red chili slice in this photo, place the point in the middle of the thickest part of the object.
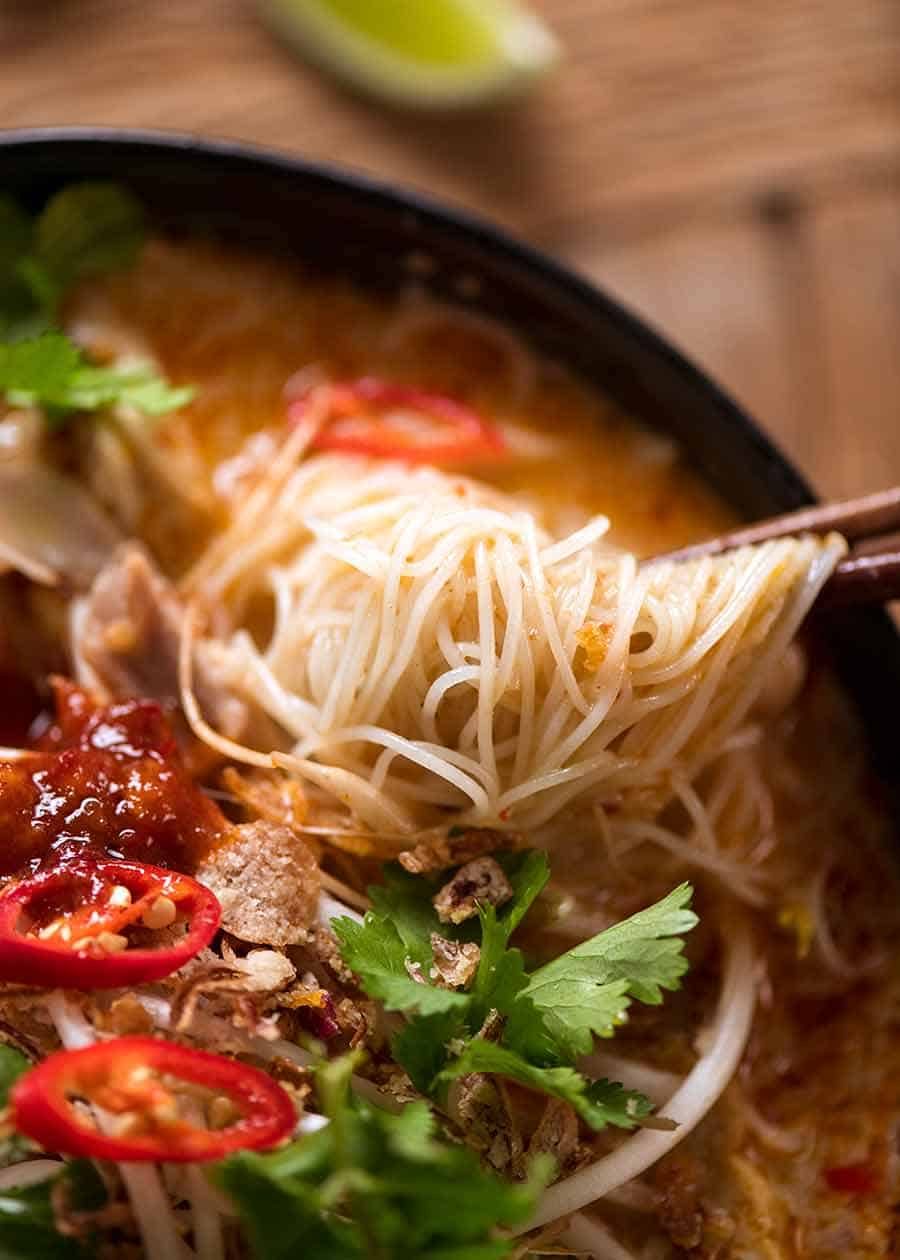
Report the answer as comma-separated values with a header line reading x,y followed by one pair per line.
x,y
63,927
459,433
134,1082
855,1179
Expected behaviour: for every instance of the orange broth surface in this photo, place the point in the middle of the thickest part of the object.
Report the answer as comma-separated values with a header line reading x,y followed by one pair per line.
x,y
244,326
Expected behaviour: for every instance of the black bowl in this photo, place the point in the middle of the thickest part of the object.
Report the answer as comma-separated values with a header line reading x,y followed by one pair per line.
x,y
349,225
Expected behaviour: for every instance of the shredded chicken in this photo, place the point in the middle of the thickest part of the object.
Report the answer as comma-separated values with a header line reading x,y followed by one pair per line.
x,y
51,529
679,1182
126,636
267,882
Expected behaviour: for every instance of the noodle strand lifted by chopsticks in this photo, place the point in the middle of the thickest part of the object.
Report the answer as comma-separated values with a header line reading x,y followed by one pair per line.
x,y
430,644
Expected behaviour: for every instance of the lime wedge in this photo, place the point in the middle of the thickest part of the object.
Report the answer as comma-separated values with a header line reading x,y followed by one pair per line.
x,y
424,53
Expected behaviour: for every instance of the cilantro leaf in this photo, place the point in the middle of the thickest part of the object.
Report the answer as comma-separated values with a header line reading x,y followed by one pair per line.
x,y
527,872
599,1103
52,371
422,1045
586,991
501,971
92,387
16,233
27,1227
398,931
406,900
17,307
12,1065
42,367
375,951
371,1183
84,230
547,1019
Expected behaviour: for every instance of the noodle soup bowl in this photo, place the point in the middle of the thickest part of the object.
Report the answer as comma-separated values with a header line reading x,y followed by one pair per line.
x,y
379,237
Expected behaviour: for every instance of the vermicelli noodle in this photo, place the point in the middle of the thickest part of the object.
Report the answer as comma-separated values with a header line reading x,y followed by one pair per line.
x,y
428,637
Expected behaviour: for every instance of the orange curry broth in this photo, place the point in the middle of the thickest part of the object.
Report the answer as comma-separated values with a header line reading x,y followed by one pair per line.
x,y
244,325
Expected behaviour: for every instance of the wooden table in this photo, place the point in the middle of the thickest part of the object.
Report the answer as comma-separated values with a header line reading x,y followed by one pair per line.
x,y
731,169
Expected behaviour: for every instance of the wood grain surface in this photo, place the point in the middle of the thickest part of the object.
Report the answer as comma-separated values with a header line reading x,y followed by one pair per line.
x,y
732,170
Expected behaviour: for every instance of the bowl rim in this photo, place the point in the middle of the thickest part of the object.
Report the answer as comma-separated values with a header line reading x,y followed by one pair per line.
x,y
460,222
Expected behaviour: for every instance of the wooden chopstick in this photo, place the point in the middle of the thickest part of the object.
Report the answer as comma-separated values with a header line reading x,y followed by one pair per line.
x,y
869,574
863,578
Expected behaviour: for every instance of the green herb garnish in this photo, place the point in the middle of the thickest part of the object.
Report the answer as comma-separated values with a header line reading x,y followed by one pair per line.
x,y
13,1064
548,1017
373,1184
51,371
85,230
27,1223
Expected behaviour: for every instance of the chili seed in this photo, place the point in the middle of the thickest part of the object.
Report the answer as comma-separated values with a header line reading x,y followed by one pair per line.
x,y
126,1124
120,896
111,942
221,1112
161,914
165,1112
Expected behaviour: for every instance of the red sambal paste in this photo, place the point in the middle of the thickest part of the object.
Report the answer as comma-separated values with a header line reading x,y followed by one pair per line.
x,y
108,777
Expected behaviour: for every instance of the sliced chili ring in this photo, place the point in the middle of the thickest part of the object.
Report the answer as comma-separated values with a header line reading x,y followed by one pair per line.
x,y
133,1082
854,1179
461,433
62,927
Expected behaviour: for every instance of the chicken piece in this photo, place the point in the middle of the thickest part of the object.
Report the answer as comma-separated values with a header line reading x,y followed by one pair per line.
x,y
126,637
51,530
267,882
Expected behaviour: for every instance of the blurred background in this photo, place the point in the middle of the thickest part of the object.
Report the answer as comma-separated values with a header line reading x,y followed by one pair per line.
x,y
730,169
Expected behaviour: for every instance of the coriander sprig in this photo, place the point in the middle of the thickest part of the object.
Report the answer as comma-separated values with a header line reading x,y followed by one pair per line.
x,y
546,1018
51,371
374,1184
85,230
